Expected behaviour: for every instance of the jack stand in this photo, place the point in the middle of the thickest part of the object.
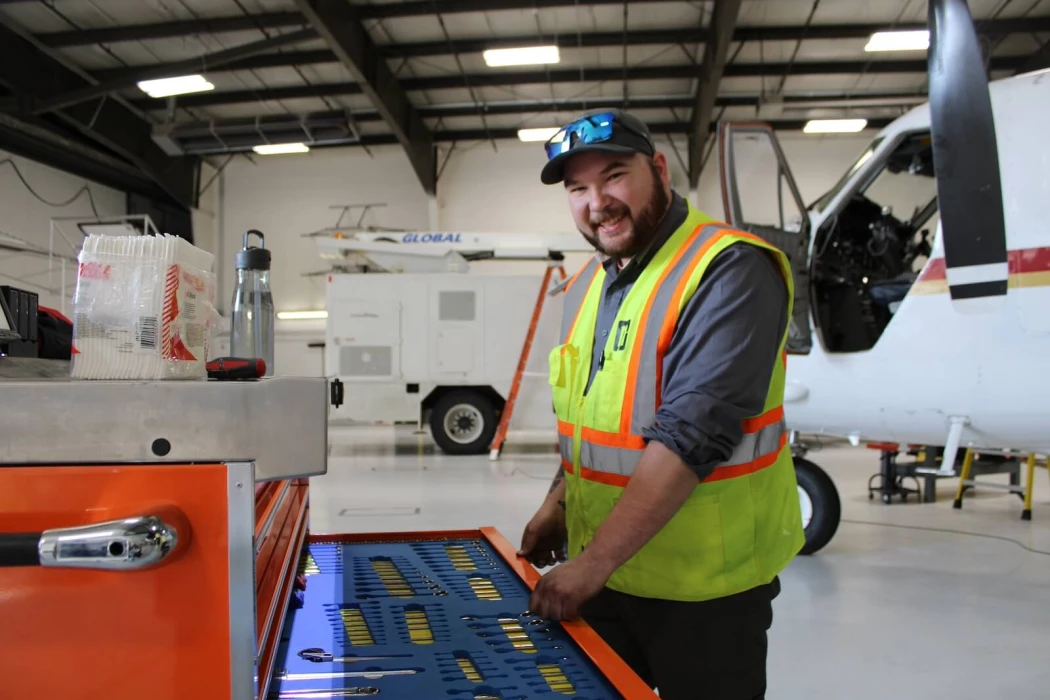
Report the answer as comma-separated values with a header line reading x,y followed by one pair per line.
x,y
891,478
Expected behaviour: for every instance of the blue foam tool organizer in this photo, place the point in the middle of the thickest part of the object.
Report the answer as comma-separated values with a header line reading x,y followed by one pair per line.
x,y
481,648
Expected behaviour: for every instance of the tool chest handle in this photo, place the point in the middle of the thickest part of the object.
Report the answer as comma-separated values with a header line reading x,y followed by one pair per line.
x,y
130,544
19,549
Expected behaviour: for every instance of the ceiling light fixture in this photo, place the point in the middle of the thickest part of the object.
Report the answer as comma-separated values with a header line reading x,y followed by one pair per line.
x,y
834,126
522,56
179,85
302,315
270,149
918,40
542,133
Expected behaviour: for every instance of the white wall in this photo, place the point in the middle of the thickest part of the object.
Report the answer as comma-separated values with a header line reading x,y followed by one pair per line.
x,y
479,190
25,217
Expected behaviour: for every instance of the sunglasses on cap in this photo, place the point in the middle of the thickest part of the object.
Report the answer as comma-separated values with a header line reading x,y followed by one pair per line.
x,y
587,130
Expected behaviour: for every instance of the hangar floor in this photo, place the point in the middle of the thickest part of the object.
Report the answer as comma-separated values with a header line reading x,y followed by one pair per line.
x,y
894,607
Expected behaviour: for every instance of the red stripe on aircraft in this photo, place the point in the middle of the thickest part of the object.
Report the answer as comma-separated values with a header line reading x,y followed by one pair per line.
x,y
1020,262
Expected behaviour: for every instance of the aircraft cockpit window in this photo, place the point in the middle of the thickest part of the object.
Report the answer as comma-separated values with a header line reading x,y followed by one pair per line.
x,y
867,255
864,157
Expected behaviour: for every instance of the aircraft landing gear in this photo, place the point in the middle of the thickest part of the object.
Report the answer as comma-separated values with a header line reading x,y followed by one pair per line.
x,y
819,500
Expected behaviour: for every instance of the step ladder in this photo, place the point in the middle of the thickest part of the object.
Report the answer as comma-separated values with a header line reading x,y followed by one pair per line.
x,y
1023,490
546,289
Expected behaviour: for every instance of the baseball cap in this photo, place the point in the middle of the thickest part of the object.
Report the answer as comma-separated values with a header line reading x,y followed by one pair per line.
x,y
607,131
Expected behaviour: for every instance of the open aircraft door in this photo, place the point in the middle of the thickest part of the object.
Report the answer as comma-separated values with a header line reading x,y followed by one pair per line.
x,y
759,195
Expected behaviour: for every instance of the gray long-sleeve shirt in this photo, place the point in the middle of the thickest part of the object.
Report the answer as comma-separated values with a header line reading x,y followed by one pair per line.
x,y
717,368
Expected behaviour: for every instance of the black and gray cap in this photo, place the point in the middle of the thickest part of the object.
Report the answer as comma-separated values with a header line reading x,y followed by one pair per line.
x,y
629,135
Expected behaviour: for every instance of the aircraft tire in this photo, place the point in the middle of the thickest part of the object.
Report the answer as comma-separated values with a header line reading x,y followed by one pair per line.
x,y
824,508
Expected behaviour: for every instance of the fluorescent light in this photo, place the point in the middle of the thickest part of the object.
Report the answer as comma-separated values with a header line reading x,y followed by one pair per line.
x,y
834,126
270,149
522,56
302,315
179,85
538,134
918,40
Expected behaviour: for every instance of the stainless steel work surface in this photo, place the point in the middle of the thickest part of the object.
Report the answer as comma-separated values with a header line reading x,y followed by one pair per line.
x,y
280,423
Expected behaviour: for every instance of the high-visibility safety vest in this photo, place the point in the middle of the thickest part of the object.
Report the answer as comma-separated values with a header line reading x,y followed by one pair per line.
x,y
742,524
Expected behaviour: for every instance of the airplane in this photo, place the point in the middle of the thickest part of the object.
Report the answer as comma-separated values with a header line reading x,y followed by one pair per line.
x,y
894,338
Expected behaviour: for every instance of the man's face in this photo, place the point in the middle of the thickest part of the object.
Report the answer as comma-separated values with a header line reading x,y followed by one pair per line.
x,y
617,201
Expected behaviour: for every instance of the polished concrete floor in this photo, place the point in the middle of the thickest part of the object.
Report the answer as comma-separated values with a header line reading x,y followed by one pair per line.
x,y
908,601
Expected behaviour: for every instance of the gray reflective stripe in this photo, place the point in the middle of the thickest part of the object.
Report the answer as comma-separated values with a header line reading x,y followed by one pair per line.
x,y
612,460
644,410
754,445
565,445
621,461
575,295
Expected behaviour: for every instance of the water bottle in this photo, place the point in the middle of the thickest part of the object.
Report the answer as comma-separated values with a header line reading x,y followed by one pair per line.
x,y
251,323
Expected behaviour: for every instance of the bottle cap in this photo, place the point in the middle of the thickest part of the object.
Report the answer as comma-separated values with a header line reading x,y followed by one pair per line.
x,y
252,258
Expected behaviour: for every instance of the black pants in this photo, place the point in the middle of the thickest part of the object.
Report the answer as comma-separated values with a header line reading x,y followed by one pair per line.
x,y
711,650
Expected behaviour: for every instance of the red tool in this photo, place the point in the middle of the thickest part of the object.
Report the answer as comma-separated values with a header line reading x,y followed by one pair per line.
x,y
228,368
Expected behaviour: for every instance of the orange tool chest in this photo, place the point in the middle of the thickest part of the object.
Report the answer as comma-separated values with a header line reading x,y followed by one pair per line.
x,y
154,544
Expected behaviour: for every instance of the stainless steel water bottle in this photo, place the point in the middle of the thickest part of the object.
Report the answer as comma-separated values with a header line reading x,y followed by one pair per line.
x,y
252,316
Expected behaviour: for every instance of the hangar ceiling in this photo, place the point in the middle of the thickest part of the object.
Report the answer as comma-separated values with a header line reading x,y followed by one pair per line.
x,y
364,73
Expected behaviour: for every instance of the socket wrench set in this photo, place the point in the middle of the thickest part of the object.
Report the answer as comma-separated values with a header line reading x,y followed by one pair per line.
x,y
425,618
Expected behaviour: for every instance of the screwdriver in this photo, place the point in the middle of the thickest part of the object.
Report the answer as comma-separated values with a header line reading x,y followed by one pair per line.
x,y
318,655
286,676
231,368
333,693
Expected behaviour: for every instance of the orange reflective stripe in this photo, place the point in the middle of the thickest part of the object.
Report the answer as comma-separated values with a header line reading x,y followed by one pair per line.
x,y
671,317
622,440
598,477
753,425
636,350
565,428
766,460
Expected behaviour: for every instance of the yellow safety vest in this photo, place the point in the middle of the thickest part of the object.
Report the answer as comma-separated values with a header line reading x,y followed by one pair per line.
x,y
742,524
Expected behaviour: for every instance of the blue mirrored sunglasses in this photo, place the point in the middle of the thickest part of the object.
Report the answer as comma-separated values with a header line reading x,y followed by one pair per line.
x,y
594,128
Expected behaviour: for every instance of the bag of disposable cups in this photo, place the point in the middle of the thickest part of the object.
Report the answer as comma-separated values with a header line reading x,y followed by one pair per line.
x,y
143,308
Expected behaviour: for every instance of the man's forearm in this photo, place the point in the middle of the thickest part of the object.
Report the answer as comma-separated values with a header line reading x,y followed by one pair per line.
x,y
556,494
657,489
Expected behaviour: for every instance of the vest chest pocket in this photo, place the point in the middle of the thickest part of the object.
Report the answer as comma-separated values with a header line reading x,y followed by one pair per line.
x,y
563,362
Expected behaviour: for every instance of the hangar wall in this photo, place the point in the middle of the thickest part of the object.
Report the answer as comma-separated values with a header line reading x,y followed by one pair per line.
x,y
27,218
479,190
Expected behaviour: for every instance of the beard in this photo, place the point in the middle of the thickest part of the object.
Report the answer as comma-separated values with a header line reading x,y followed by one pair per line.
x,y
641,229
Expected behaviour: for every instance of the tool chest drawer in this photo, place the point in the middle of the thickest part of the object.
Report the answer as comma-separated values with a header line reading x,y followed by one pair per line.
x,y
434,615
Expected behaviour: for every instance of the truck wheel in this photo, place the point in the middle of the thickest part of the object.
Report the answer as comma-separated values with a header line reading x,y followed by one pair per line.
x,y
819,501
463,423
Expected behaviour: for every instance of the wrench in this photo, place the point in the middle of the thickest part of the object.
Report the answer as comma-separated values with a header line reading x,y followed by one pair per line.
x,y
332,693
319,655
285,676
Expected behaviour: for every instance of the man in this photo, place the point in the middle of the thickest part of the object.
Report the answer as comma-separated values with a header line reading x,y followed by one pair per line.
x,y
677,492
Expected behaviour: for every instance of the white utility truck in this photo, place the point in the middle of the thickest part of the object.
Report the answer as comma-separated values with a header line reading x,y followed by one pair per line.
x,y
416,339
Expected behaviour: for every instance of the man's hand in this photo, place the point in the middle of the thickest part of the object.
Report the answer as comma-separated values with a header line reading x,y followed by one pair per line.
x,y
561,592
543,542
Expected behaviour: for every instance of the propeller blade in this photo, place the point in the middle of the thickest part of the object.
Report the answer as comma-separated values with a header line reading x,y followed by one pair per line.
x,y
966,160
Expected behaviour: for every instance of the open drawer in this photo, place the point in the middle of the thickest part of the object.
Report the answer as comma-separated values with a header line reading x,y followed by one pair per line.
x,y
434,614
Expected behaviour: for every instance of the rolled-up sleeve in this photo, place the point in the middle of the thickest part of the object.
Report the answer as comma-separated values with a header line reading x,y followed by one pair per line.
x,y
717,368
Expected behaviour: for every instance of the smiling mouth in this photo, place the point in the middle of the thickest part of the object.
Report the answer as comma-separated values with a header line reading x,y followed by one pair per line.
x,y
610,224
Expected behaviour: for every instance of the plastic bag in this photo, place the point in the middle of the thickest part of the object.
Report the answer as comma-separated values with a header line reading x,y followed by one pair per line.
x,y
143,308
